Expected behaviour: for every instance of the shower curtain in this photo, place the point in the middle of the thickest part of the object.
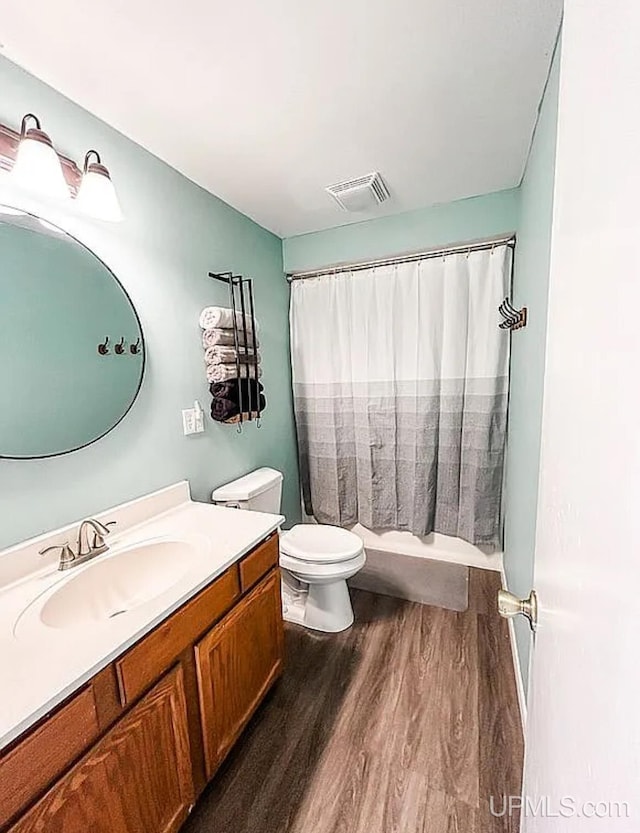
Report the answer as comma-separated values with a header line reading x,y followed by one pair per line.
x,y
400,381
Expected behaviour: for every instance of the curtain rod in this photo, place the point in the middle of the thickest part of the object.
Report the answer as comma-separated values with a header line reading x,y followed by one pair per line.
x,y
408,258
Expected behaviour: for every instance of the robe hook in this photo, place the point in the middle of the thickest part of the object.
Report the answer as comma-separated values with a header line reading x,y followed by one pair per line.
x,y
514,319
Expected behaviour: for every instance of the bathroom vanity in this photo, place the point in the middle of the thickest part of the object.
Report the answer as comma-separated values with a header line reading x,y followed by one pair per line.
x,y
144,727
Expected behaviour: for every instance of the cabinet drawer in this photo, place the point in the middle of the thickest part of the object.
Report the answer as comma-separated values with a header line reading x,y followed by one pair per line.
x,y
146,661
28,768
258,563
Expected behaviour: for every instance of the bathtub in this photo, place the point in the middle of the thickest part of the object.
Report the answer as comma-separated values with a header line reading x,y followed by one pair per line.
x,y
435,546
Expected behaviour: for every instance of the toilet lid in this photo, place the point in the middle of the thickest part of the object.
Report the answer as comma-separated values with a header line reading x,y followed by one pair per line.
x,y
320,543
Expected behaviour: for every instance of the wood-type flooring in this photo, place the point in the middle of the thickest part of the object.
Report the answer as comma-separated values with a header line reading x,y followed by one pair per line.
x,y
406,723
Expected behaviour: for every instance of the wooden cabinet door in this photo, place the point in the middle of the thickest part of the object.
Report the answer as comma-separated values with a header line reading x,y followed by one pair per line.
x,y
137,779
237,661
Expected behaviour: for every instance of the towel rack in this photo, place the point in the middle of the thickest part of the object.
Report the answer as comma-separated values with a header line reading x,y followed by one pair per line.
x,y
241,301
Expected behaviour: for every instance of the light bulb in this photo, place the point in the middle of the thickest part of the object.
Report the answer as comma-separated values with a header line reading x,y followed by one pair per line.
x,y
97,195
37,166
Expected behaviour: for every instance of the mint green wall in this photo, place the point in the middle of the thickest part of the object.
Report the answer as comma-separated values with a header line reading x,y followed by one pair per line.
x,y
439,225
173,234
531,285
48,342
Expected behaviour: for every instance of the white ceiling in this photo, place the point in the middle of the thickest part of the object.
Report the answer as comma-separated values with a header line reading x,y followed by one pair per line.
x,y
265,103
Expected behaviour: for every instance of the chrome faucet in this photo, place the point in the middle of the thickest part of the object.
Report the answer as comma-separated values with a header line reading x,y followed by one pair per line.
x,y
69,558
97,545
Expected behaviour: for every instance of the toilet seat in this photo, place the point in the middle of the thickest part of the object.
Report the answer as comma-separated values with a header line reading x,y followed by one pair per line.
x,y
308,570
320,544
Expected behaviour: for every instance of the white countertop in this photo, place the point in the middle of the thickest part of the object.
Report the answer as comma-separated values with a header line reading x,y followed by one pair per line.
x,y
42,665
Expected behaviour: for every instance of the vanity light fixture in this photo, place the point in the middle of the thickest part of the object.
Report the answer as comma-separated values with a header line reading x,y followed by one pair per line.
x,y
97,195
37,165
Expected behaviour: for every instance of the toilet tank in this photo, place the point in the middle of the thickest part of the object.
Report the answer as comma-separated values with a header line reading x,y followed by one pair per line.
x,y
260,490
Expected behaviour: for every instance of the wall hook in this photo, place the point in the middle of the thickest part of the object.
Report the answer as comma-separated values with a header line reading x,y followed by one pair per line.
x,y
135,348
514,319
119,348
103,348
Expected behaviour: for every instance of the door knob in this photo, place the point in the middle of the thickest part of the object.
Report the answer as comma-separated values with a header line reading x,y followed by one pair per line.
x,y
510,605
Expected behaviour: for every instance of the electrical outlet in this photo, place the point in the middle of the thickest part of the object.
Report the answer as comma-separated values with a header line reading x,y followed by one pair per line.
x,y
193,420
188,422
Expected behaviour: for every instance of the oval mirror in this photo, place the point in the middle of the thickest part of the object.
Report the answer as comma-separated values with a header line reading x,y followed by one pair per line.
x,y
61,386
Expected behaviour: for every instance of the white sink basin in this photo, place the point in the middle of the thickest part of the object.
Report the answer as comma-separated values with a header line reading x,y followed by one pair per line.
x,y
118,583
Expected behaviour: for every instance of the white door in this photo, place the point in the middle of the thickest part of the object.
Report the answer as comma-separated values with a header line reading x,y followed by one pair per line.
x,y
582,770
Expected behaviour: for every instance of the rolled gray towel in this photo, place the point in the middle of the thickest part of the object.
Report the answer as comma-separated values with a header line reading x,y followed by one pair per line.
x,y
227,355
222,372
215,317
218,336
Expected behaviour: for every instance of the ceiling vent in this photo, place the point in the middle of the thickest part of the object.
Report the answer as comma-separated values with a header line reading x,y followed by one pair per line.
x,y
361,194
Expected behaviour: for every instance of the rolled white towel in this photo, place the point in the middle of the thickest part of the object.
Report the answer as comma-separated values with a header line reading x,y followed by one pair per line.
x,y
215,317
220,336
222,372
227,355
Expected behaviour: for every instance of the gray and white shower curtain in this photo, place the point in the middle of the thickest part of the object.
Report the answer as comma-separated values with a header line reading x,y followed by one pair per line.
x,y
400,379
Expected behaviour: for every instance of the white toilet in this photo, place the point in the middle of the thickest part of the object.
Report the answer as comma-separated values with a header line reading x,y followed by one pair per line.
x,y
316,559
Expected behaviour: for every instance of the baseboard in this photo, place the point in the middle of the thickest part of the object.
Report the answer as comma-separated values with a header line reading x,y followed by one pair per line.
x,y
522,699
